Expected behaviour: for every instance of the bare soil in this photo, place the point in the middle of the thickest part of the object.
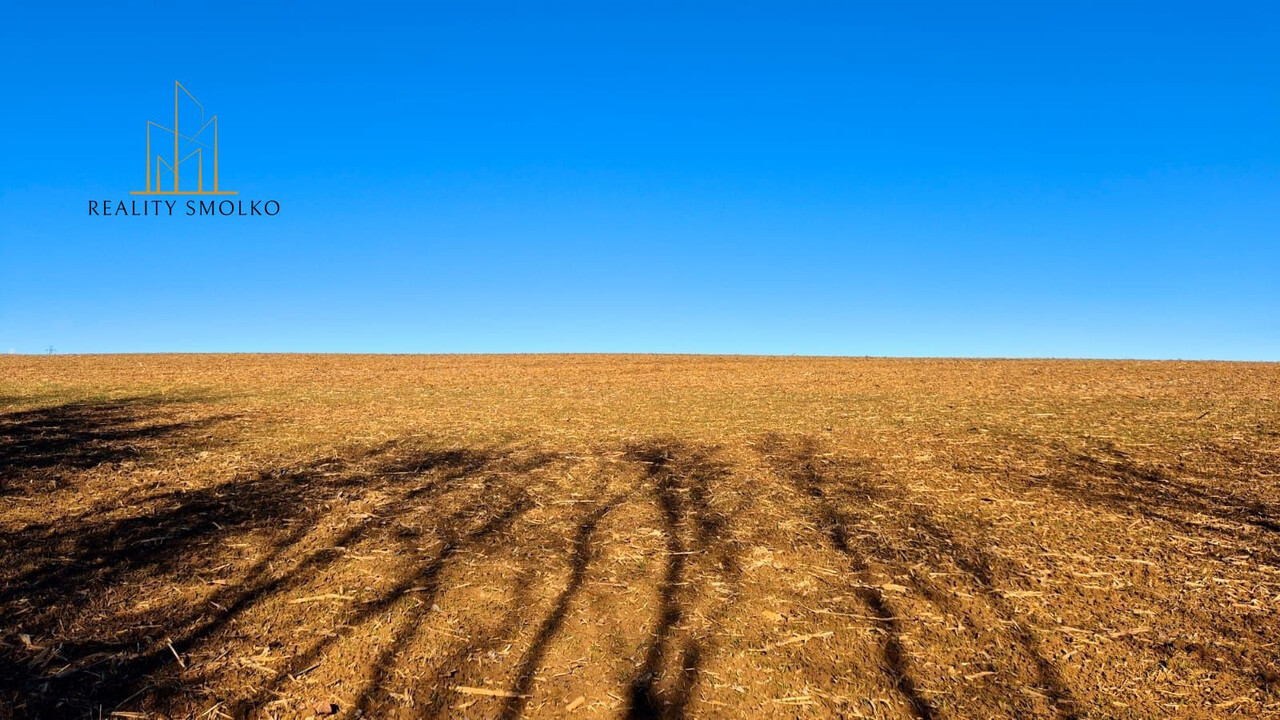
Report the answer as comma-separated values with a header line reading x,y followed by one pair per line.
x,y
636,536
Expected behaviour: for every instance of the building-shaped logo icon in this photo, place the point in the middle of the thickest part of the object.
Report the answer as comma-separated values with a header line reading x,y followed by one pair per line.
x,y
175,175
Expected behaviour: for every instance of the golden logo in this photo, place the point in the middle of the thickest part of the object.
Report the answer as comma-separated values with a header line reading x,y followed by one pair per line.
x,y
179,181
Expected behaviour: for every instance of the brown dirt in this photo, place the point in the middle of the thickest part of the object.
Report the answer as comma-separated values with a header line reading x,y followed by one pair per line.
x,y
648,537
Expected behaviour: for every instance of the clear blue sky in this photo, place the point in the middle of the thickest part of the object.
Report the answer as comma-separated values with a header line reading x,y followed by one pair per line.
x,y
978,179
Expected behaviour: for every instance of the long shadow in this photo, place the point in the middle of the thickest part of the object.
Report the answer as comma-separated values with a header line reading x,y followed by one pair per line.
x,y
978,566
579,560
95,549
1112,479
108,553
424,579
1181,499
497,506
167,535
676,470
922,542
499,503
40,449
795,460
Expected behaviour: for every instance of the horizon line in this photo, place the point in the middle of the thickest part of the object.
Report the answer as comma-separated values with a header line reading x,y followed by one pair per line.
x,y
993,358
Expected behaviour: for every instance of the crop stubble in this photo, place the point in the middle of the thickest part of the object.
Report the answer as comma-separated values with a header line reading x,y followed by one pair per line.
x,y
637,536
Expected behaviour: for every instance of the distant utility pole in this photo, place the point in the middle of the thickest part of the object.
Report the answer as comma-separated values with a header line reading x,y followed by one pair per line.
x,y
51,350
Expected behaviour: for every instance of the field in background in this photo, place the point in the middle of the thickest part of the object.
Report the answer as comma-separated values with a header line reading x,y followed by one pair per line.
x,y
637,536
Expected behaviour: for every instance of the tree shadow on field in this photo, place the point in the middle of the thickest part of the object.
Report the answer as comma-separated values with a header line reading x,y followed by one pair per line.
x,y
476,524
796,461
843,494
39,449
682,478
89,622
580,558
1225,491
1217,498
135,606
929,538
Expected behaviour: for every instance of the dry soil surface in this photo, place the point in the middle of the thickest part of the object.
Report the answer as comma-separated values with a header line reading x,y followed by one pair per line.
x,y
637,536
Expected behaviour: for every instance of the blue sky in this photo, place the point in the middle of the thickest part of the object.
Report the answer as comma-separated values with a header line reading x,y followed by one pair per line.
x,y
968,179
